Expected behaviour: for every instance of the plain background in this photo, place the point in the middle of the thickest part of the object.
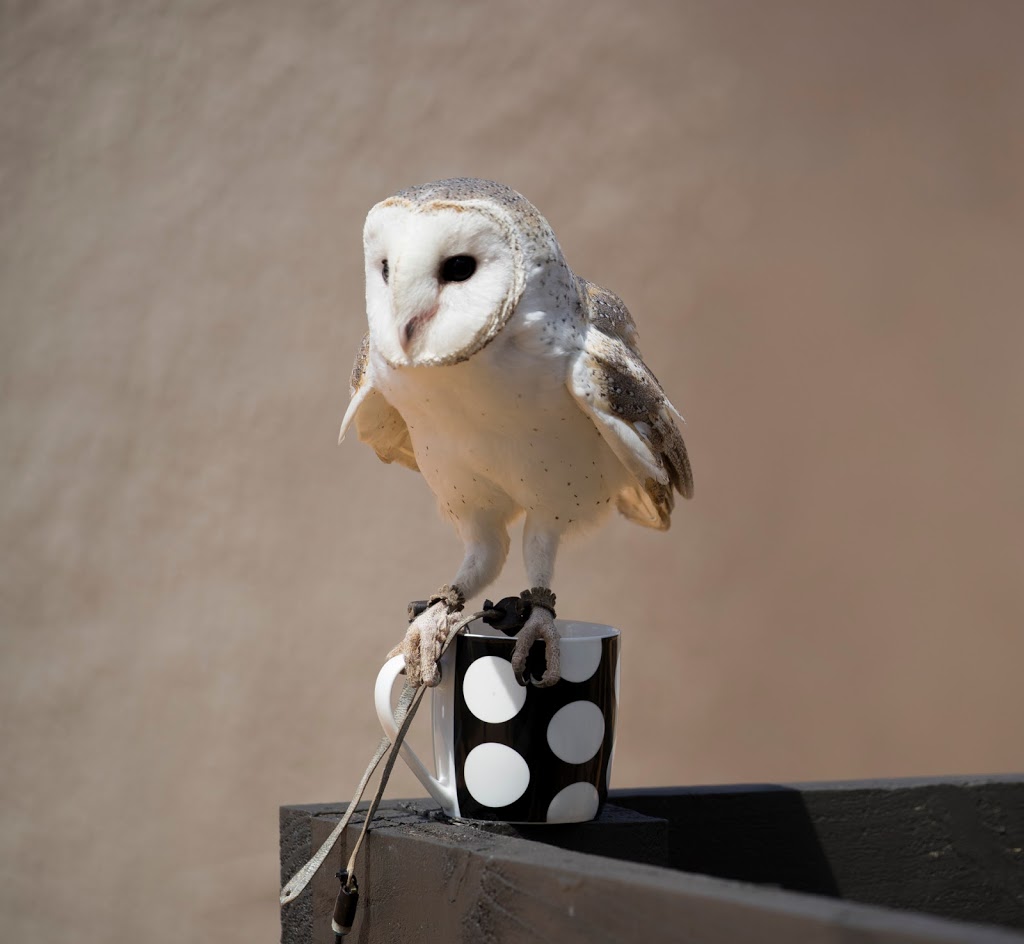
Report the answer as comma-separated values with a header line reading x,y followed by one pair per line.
x,y
814,210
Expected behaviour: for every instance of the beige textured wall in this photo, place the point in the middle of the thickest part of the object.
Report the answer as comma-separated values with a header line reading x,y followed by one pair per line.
x,y
816,213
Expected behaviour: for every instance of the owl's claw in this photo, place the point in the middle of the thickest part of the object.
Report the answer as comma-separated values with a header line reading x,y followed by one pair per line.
x,y
422,644
540,625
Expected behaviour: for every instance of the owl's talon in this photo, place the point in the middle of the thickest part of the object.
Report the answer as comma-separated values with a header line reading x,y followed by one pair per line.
x,y
540,625
423,642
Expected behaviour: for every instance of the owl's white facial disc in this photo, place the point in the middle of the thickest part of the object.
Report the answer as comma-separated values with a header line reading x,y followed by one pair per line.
x,y
441,279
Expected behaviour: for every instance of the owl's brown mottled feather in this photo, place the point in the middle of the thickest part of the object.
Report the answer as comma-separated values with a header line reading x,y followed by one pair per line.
x,y
359,366
606,312
624,399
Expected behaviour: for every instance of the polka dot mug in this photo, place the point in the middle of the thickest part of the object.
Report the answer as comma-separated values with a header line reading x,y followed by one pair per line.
x,y
518,754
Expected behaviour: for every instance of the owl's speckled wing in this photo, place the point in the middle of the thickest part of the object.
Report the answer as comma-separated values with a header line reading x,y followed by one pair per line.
x,y
615,388
606,312
378,423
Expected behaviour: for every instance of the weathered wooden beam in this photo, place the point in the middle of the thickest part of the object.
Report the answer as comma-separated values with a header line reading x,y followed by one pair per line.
x,y
425,878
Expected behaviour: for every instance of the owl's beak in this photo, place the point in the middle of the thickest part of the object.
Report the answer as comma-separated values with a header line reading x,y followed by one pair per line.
x,y
415,295
412,328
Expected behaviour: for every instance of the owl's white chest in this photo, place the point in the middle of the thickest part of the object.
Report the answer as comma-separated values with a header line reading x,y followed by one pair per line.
x,y
500,433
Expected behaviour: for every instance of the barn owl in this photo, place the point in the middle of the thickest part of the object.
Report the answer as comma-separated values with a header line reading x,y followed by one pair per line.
x,y
513,386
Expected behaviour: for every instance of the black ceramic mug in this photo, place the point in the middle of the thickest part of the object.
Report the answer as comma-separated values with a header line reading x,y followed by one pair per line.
x,y
519,754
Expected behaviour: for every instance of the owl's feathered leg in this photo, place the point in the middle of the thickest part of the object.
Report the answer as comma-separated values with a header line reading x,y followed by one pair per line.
x,y
540,545
486,541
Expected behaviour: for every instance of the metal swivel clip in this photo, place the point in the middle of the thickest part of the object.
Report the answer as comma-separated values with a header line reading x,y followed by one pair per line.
x,y
345,906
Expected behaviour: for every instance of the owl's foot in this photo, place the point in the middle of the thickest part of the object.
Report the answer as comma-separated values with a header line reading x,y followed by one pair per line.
x,y
426,636
540,625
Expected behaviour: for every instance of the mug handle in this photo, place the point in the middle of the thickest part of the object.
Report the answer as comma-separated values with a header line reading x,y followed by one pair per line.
x,y
442,792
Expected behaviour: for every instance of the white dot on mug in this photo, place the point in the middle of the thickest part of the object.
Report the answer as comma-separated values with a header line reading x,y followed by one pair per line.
x,y
495,775
576,732
575,803
491,691
580,658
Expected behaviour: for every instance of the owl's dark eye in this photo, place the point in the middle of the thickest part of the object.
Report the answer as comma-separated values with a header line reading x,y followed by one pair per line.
x,y
384,271
457,268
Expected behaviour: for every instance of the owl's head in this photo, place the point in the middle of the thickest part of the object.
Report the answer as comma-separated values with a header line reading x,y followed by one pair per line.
x,y
445,268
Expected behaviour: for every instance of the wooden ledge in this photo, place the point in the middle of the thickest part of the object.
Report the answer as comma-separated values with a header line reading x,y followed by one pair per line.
x,y
766,862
